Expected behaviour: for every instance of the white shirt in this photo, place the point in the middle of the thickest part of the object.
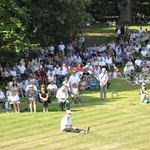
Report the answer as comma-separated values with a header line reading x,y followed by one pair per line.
x,y
62,95
22,69
2,95
51,49
143,52
13,73
64,122
48,73
50,78
108,61
103,77
57,70
13,98
74,79
61,47
74,91
52,86
138,62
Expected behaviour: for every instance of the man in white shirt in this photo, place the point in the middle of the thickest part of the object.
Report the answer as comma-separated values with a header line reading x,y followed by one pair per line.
x,y
144,52
51,50
103,79
108,61
138,62
61,47
52,88
74,79
148,46
22,70
66,124
13,72
62,95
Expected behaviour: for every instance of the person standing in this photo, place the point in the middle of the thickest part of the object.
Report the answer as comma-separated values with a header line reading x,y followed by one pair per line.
x,y
103,79
66,124
14,100
43,95
144,94
31,96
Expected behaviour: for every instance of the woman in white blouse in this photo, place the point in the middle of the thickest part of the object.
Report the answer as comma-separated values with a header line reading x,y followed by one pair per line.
x,y
14,100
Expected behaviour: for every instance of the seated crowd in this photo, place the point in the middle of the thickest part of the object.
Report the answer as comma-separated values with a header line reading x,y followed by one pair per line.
x,y
66,70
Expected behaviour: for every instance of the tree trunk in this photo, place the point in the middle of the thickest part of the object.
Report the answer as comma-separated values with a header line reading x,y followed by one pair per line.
x,y
125,13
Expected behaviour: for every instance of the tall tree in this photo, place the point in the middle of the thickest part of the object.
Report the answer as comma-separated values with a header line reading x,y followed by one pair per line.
x,y
125,13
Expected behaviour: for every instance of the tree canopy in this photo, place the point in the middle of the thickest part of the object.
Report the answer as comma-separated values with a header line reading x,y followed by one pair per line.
x,y
24,23
28,22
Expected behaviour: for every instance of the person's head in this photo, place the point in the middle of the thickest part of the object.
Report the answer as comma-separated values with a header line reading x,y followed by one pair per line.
x,y
42,87
31,88
63,88
68,113
13,91
143,85
103,70
65,79
74,85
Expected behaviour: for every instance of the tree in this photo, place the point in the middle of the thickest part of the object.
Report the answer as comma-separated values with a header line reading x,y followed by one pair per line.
x,y
53,21
12,28
125,14
124,9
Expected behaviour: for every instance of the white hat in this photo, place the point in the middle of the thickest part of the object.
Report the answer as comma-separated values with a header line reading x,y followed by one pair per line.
x,y
63,87
68,111
143,84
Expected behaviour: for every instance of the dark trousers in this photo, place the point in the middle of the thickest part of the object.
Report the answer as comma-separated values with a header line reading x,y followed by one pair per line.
x,y
72,130
45,104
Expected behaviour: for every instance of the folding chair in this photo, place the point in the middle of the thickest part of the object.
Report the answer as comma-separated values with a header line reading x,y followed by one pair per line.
x,y
93,83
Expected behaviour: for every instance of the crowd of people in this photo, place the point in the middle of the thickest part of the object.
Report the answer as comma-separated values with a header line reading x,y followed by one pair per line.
x,y
64,70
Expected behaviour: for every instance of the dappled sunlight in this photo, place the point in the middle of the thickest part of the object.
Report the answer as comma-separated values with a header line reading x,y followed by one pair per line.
x,y
100,34
138,27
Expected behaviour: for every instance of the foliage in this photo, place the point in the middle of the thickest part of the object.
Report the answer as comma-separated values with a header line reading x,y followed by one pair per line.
x,y
28,22
53,21
102,8
116,123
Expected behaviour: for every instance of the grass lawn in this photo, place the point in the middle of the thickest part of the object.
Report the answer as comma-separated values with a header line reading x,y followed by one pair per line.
x,y
116,123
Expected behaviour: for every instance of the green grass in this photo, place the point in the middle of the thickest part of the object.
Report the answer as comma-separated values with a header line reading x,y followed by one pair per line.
x,y
100,33
116,123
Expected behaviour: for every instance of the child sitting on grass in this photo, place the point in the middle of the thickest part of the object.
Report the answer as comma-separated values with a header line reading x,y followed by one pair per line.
x,y
75,94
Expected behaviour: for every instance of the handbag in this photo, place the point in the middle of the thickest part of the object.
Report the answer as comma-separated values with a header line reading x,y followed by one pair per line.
x,y
49,100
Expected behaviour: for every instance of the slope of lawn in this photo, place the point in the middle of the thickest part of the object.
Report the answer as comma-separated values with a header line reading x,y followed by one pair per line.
x,y
116,123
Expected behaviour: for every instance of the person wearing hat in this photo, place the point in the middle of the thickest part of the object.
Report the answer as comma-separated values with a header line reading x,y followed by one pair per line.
x,y
103,79
66,124
62,95
144,94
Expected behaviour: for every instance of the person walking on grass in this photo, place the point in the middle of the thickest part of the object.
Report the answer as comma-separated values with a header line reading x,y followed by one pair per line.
x,y
144,94
66,124
103,79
